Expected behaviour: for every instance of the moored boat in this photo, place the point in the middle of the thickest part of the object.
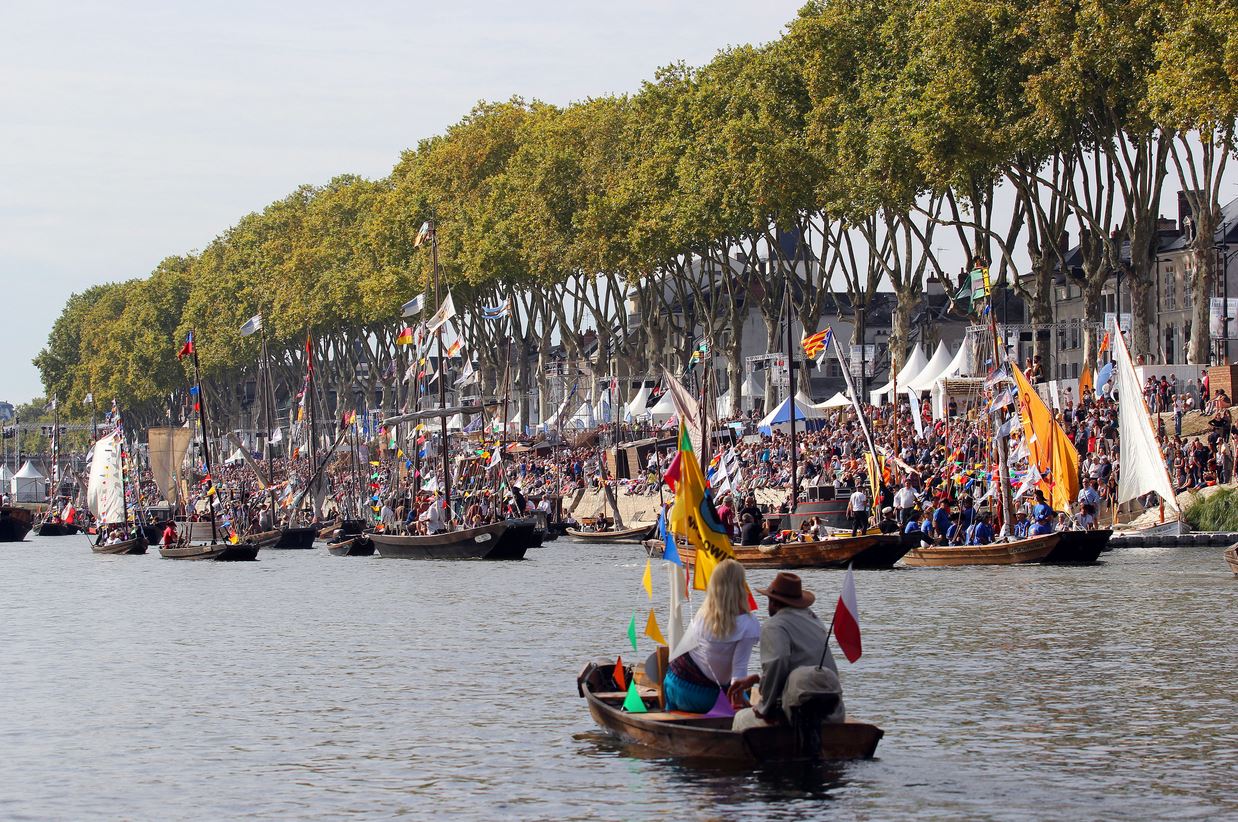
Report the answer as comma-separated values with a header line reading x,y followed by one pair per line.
x,y
15,523
1032,549
296,537
1078,547
634,534
57,529
505,539
218,551
137,545
359,545
1231,557
867,551
710,737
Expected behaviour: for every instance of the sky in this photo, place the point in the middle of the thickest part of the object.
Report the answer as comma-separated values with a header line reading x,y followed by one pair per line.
x,y
137,130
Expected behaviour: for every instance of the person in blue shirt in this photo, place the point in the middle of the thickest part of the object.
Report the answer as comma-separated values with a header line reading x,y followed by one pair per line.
x,y
941,521
1021,525
957,534
981,533
1042,515
913,522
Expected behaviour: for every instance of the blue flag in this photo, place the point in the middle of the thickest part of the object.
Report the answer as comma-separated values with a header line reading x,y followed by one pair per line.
x,y
669,552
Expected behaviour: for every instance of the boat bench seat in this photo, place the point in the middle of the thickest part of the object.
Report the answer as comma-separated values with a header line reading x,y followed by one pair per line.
x,y
645,693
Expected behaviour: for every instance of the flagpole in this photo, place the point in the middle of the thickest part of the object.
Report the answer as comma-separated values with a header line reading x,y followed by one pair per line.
x,y
442,385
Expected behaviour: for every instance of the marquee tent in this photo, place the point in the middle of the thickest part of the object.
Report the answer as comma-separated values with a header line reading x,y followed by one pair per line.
x,y
839,400
664,409
29,484
780,418
914,365
939,362
639,406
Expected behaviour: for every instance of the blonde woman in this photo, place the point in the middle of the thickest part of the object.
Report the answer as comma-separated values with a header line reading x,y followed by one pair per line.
x,y
717,645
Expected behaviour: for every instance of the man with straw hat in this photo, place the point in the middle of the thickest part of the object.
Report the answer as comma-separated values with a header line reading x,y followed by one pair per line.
x,y
791,638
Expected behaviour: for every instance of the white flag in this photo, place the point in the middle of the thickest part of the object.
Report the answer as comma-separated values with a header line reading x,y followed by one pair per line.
x,y
277,436
467,375
251,325
917,420
445,312
413,306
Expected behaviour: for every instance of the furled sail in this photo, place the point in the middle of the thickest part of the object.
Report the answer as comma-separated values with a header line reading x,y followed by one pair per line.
x,y
105,490
1143,464
168,446
1050,448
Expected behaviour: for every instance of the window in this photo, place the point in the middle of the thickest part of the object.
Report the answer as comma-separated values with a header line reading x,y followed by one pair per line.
x,y
1187,296
1169,288
1076,337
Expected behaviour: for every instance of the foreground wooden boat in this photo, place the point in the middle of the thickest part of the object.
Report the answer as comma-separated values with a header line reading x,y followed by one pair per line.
x,y
505,539
868,551
636,534
1231,557
697,736
1033,549
135,546
219,552
1078,547
15,523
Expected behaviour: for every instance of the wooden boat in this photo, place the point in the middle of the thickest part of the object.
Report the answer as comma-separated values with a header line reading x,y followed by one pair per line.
x,y
137,545
219,552
264,539
1078,547
57,529
505,539
297,538
359,545
868,551
697,736
1032,549
1231,556
635,534
15,523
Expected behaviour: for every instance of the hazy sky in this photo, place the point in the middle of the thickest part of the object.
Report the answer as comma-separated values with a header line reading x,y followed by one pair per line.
x,y
135,130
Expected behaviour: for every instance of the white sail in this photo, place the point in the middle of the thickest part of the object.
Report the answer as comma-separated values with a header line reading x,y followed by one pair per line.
x,y
1143,464
105,492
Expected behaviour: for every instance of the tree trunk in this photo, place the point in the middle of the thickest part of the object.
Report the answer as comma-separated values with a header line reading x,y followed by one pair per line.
x,y
1203,279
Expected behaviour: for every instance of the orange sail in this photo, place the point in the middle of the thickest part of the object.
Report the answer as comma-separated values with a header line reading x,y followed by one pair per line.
x,y
1053,452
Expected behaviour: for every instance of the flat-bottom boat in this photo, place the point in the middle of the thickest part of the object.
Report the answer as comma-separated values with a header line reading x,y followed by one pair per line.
x,y
505,539
1033,549
264,539
1231,556
710,737
359,545
1079,547
868,551
297,538
637,533
137,545
58,529
15,523
218,551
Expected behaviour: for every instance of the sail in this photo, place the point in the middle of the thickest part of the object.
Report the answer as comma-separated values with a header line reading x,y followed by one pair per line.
x,y
105,490
1143,464
168,446
1051,450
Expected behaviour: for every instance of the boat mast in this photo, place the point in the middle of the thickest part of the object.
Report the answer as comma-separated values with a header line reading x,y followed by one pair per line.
x,y
1003,470
206,442
309,398
441,377
268,411
795,484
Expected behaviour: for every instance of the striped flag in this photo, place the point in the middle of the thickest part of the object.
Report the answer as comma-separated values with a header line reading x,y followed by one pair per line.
x,y
816,343
413,306
497,312
847,620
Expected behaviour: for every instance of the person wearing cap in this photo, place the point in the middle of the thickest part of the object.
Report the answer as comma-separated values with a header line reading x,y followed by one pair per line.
x,y
887,524
791,638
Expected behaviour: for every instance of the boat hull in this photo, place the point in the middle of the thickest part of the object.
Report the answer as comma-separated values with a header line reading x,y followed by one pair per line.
x,y
217,552
1078,547
355,546
135,546
637,534
698,737
58,529
15,523
296,538
1231,557
1034,549
866,552
507,539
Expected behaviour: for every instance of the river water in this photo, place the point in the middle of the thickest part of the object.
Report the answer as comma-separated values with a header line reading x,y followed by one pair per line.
x,y
315,687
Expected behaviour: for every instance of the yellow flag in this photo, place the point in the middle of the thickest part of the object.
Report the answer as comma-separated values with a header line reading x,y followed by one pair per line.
x,y
1050,447
648,580
653,631
693,515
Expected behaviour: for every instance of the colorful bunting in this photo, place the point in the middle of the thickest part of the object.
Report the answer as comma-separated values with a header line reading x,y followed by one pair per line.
x,y
652,630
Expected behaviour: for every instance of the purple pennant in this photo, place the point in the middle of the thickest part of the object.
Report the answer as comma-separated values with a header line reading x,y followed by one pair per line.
x,y
722,707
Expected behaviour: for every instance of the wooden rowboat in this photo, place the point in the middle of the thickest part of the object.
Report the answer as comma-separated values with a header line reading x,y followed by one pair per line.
x,y
1231,556
637,534
137,545
219,552
296,538
264,539
697,736
505,539
57,529
356,546
1033,549
868,551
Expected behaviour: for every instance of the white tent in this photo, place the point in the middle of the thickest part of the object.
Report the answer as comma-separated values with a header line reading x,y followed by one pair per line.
x,y
601,411
953,372
780,418
664,409
29,484
839,400
939,362
751,388
637,407
583,418
914,365
237,458
455,422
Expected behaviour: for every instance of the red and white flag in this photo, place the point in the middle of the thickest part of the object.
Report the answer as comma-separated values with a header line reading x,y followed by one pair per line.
x,y
847,620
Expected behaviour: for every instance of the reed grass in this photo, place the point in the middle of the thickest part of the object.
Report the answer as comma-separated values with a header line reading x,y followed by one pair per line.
x,y
1218,512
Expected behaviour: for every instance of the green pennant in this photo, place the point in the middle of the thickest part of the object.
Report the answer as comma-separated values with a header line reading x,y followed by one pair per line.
x,y
632,632
632,703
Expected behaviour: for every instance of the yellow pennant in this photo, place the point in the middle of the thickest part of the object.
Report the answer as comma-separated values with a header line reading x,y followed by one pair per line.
x,y
648,580
653,631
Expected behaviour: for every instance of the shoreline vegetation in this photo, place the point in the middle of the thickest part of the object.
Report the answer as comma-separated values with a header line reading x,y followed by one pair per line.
x,y
1214,509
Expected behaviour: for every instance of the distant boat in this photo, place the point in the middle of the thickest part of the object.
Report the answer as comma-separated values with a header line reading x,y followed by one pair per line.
x,y
47,528
105,497
15,523
136,545
701,736
635,534
505,539
1017,552
866,551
